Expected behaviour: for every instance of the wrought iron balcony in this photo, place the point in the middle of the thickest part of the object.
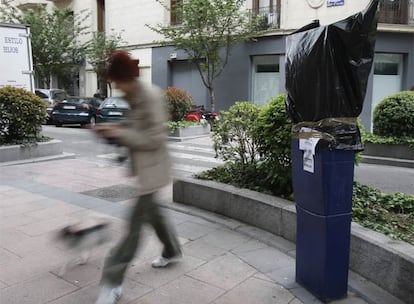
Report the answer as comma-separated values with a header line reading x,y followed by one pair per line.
x,y
270,16
396,11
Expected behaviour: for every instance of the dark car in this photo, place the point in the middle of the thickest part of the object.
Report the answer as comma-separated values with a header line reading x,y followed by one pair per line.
x,y
50,97
75,110
112,109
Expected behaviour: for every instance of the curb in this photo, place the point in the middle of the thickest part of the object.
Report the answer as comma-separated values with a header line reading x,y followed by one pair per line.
x,y
185,138
13,153
385,262
64,155
387,161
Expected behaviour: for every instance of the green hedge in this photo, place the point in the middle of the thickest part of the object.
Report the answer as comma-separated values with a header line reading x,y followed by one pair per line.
x,y
178,103
255,143
22,116
394,115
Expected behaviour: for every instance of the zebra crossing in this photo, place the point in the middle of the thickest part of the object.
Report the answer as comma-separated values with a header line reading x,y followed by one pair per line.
x,y
188,158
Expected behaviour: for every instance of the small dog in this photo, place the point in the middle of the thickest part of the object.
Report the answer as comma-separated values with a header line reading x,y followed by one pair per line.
x,y
81,239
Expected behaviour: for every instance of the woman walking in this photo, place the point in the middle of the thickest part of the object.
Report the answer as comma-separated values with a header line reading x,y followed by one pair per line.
x,y
144,134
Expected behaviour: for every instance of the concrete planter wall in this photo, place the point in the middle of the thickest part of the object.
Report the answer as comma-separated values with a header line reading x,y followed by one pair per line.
x,y
386,262
191,131
19,152
392,151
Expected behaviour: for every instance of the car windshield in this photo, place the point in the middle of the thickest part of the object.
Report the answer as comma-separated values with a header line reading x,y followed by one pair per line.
x,y
60,95
40,94
115,103
75,99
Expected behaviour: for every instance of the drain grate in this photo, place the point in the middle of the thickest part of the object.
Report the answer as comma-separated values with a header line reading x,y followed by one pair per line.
x,y
116,193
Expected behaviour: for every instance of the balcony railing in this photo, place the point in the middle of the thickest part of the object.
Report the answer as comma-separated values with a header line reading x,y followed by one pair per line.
x,y
396,11
270,16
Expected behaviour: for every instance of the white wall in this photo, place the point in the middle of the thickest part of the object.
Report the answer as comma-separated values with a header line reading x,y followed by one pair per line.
x,y
131,17
145,57
128,18
297,13
87,78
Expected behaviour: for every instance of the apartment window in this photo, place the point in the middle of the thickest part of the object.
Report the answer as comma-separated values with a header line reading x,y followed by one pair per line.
x,y
269,10
175,13
394,11
259,6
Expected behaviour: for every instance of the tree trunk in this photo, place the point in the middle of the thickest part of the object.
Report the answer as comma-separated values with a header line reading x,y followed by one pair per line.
x,y
103,86
212,99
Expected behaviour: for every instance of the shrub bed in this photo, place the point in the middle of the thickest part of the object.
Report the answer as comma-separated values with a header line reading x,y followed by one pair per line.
x,y
390,214
22,116
394,116
174,125
178,103
255,143
386,140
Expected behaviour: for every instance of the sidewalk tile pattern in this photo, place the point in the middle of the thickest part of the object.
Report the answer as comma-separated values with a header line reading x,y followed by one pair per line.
x,y
220,265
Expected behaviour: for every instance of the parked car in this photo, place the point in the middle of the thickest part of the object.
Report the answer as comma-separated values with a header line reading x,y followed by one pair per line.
x,y
112,109
75,110
51,96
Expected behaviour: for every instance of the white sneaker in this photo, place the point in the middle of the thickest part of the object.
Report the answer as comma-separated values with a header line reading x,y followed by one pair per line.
x,y
109,294
162,262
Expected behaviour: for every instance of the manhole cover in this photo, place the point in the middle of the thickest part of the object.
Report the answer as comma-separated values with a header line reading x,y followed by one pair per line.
x,y
116,193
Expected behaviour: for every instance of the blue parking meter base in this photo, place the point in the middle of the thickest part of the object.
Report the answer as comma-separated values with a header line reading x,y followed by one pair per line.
x,y
322,253
328,190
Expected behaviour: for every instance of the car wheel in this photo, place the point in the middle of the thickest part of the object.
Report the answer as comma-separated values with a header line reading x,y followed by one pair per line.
x,y
58,124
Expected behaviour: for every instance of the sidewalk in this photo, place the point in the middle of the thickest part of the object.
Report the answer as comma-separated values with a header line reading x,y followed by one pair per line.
x,y
220,265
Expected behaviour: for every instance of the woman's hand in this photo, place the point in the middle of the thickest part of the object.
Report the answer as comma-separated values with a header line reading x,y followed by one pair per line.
x,y
108,130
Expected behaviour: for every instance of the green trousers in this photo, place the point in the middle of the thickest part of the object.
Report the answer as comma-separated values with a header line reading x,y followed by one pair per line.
x,y
146,210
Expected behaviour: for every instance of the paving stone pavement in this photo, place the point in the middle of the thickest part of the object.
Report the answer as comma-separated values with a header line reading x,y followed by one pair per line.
x,y
221,264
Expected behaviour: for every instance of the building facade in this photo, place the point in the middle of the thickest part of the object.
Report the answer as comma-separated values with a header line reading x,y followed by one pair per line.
x,y
255,70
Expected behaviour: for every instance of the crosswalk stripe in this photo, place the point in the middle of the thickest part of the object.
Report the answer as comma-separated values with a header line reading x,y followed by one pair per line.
x,y
178,155
187,168
192,148
195,157
108,156
187,159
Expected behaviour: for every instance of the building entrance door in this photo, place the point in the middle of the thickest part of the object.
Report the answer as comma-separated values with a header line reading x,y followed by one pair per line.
x,y
185,76
387,77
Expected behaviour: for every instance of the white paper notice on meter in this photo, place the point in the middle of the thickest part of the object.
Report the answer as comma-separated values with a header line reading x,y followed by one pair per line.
x,y
308,146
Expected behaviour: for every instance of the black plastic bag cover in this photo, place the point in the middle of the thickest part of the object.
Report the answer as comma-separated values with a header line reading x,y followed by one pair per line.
x,y
327,70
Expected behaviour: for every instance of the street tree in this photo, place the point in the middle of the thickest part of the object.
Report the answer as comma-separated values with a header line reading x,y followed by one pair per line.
x,y
55,36
97,51
207,30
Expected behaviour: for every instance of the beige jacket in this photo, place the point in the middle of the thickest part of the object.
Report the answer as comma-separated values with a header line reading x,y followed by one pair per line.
x,y
145,135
